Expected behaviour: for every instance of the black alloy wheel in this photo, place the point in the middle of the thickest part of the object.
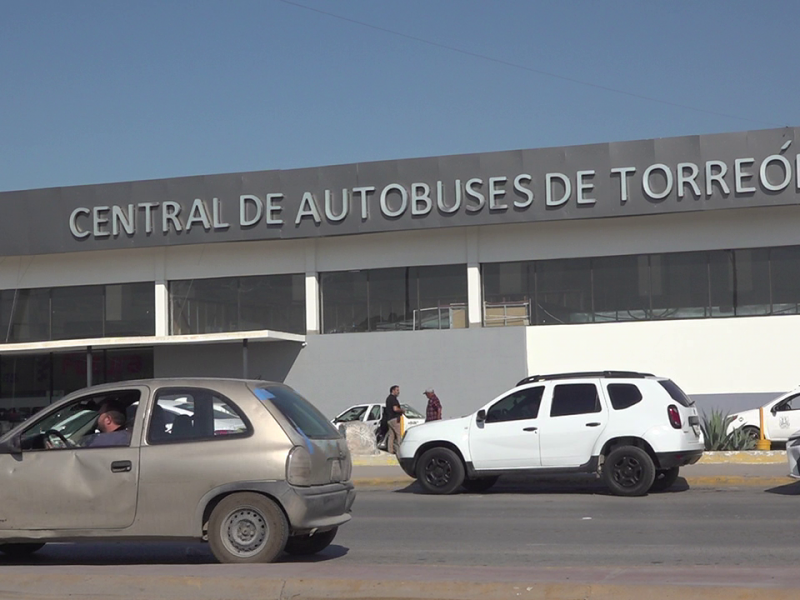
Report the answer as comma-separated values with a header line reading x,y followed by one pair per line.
x,y
628,471
440,471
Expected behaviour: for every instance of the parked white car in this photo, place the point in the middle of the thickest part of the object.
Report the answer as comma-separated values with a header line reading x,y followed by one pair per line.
x,y
371,414
781,418
635,430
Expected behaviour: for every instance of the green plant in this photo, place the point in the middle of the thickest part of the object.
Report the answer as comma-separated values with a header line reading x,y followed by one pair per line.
x,y
715,431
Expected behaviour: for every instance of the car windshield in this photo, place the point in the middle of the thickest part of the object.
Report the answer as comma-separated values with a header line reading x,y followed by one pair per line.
x,y
351,414
303,416
411,413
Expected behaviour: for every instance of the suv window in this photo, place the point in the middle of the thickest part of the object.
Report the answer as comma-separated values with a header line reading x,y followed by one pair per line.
x,y
194,414
375,413
675,392
303,415
623,395
575,399
522,404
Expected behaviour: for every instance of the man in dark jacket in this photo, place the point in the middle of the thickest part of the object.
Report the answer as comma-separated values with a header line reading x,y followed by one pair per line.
x,y
391,415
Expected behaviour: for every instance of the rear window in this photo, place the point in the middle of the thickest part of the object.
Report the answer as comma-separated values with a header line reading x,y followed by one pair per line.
x,y
623,395
675,392
303,415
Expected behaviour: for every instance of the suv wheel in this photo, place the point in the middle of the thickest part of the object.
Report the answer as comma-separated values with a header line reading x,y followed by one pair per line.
x,y
440,471
479,484
247,528
21,549
303,545
628,471
664,479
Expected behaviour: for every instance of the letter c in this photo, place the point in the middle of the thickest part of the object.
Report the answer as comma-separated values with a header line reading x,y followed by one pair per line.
x,y
73,225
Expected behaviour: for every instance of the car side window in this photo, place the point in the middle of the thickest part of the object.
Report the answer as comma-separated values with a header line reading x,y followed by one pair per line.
x,y
375,413
575,399
194,414
351,414
792,403
522,404
623,395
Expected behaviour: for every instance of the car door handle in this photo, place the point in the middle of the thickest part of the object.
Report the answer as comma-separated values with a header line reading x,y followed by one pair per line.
x,y
121,466
530,429
593,424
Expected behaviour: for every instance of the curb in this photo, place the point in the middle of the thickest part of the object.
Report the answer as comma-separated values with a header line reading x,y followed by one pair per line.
x,y
754,457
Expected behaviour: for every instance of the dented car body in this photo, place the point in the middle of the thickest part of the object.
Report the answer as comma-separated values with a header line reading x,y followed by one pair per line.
x,y
274,476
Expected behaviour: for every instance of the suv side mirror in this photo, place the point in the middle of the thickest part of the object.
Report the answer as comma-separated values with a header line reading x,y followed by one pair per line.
x,y
481,416
12,445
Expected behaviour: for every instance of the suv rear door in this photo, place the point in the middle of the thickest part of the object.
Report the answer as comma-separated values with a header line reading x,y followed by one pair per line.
x,y
575,414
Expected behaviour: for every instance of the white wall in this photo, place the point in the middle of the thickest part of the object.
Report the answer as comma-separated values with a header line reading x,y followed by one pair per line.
x,y
708,356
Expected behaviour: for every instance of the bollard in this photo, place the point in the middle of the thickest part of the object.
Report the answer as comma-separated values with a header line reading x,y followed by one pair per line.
x,y
763,443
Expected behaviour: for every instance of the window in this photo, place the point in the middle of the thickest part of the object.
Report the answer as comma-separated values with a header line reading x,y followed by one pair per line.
x,y
352,414
785,278
238,304
376,413
521,405
679,285
396,299
621,288
575,399
740,282
792,403
623,395
675,392
563,291
194,414
303,416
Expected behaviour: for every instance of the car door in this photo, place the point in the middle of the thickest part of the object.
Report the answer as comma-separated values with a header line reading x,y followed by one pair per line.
x,y
576,416
783,419
77,487
508,438
373,417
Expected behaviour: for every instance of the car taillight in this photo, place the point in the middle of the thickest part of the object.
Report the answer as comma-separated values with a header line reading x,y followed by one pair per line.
x,y
674,416
298,467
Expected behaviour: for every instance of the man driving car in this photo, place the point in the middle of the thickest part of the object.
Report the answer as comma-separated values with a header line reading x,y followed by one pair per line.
x,y
111,422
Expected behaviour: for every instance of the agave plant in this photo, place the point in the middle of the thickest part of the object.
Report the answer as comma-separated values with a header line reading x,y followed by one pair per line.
x,y
715,431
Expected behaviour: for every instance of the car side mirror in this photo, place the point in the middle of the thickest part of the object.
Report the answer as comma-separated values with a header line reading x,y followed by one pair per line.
x,y
774,410
481,416
12,445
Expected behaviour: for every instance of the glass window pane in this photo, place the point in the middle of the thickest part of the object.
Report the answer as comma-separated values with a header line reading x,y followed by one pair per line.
x,y
24,387
441,297
274,302
740,282
621,288
507,292
785,267
29,319
130,309
389,300
77,312
344,301
679,284
204,305
563,291
575,399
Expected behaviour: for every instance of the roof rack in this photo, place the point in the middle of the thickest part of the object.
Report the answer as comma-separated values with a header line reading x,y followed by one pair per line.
x,y
606,374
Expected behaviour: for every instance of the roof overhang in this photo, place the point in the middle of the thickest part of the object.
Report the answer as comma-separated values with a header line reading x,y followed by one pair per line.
x,y
263,335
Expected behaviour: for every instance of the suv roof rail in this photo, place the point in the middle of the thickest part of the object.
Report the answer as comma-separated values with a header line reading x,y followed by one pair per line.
x,y
606,374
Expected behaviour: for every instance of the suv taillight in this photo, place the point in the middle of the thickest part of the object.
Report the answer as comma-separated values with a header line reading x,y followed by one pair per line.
x,y
674,416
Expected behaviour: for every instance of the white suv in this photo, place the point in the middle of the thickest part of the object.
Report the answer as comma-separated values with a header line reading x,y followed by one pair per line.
x,y
635,430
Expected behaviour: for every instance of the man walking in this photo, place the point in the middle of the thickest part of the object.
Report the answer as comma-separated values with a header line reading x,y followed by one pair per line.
x,y
391,414
433,412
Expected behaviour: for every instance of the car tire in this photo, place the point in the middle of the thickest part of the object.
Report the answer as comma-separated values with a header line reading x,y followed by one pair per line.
x,y
20,550
479,484
664,479
628,471
754,433
247,528
440,471
305,545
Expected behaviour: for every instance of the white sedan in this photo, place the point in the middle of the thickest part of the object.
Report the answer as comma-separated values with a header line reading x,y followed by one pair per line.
x,y
781,418
371,414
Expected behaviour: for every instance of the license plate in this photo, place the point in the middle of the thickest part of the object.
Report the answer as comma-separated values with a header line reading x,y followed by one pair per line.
x,y
336,470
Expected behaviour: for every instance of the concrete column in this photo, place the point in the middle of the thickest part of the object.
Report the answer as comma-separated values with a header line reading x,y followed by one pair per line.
x,y
245,368
312,288
162,308
474,287
88,366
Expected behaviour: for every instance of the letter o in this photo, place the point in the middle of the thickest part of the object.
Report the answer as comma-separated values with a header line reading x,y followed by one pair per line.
x,y
787,170
385,203
646,181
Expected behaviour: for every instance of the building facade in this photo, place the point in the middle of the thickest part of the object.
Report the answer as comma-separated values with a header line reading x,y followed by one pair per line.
x,y
676,256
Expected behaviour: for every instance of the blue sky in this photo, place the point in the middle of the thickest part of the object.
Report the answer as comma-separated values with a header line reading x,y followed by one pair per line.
x,y
112,90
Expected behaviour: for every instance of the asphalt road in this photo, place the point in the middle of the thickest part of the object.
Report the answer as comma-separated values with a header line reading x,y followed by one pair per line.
x,y
552,524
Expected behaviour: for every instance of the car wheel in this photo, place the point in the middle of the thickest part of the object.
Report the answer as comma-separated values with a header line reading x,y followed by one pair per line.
x,y
440,471
303,545
20,550
664,479
247,528
752,432
479,484
628,471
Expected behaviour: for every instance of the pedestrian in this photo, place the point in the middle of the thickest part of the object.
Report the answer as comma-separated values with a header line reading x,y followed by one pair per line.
x,y
391,414
433,412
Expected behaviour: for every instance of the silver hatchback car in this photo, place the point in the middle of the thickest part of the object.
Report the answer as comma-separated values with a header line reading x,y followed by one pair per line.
x,y
249,466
